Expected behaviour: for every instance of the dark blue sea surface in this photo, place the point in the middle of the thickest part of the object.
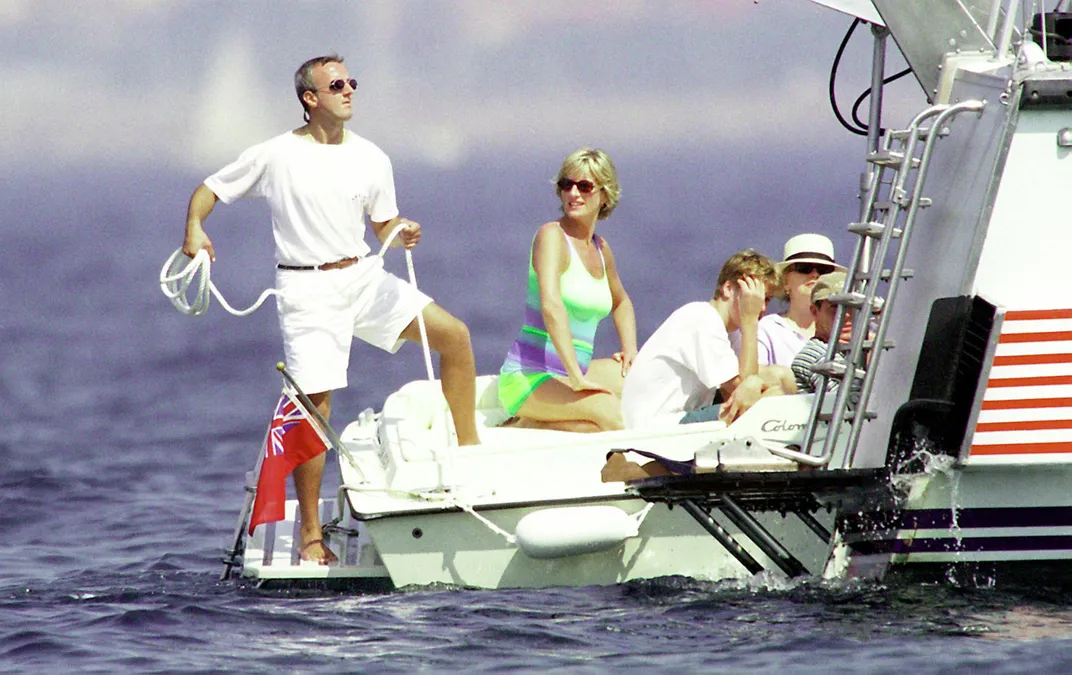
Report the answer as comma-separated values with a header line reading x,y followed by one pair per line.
x,y
127,428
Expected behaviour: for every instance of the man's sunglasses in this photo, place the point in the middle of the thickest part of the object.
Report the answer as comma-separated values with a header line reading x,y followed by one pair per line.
x,y
583,186
339,85
808,268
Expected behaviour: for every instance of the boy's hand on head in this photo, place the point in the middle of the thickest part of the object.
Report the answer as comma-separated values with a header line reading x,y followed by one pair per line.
x,y
751,297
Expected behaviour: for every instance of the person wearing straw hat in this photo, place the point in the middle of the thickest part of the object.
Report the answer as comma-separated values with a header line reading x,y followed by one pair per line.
x,y
321,181
781,336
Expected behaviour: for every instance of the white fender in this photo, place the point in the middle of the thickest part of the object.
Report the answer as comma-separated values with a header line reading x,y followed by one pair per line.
x,y
573,530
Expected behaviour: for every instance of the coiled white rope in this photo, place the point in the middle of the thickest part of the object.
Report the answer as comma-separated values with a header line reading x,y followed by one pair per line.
x,y
175,282
180,272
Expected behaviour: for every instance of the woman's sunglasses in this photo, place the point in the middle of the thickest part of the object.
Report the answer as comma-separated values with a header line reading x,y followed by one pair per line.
x,y
808,268
339,85
583,186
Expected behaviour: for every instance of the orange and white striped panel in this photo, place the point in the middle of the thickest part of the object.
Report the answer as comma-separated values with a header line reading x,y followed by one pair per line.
x,y
1026,417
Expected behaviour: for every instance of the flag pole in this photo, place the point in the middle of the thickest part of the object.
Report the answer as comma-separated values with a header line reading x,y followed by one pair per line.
x,y
252,478
336,442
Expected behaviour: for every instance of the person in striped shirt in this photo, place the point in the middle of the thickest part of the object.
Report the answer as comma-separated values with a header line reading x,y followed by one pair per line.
x,y
814,350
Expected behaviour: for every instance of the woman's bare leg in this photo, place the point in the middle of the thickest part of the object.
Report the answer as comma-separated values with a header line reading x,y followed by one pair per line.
x,y
608,373
554,404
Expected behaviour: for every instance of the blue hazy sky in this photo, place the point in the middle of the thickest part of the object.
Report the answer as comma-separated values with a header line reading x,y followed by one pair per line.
x,y
190,83
715,112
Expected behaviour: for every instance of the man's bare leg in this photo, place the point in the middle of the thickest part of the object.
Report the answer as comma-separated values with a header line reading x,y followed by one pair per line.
x,y
449,337
307,479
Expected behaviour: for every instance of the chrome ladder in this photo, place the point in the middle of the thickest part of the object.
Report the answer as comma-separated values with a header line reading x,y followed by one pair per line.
x,y
892,201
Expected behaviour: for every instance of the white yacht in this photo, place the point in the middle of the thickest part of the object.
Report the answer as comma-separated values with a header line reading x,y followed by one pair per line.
x,y
958,453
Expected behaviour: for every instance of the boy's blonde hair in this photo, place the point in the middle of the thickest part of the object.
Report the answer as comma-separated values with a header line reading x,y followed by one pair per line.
x,y
747,263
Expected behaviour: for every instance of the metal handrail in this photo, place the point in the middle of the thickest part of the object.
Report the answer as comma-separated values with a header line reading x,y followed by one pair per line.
x,y
895,274
861,261
860,328
857,254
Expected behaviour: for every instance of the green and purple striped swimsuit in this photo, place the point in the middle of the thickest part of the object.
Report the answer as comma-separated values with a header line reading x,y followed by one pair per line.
x,y
533,358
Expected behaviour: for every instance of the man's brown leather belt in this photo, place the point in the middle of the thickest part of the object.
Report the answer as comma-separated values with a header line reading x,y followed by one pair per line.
x,y
337,265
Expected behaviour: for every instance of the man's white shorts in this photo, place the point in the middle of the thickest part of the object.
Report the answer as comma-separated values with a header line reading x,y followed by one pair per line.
x,y
320,311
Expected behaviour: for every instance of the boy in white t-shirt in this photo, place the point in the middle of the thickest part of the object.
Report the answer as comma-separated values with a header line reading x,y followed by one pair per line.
x,y
320,181
687,367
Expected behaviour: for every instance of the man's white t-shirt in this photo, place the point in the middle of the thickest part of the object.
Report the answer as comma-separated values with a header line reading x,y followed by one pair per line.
x,y
319,193
679,367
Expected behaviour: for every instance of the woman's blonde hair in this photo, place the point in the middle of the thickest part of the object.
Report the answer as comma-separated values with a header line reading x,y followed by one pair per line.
x,y
598,165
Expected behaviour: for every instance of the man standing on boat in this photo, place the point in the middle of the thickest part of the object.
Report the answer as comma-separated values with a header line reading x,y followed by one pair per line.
x,y
320,181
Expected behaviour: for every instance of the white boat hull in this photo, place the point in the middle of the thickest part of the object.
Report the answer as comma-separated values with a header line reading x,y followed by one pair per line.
x,y
455,548
987,517
418,513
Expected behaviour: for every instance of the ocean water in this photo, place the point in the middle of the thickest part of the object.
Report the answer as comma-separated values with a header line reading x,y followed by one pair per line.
x,y
127,428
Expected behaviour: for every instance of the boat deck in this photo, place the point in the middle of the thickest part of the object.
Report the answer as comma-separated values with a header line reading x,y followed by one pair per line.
x,y
271,553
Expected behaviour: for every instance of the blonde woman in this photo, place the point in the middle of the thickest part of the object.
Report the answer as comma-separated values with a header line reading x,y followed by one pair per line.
x,y
549,378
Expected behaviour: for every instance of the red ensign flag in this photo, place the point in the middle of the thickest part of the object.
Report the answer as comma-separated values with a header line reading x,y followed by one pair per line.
x,y
292,440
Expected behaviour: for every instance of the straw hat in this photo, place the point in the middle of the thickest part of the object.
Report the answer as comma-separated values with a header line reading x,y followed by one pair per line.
x,y
805,248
